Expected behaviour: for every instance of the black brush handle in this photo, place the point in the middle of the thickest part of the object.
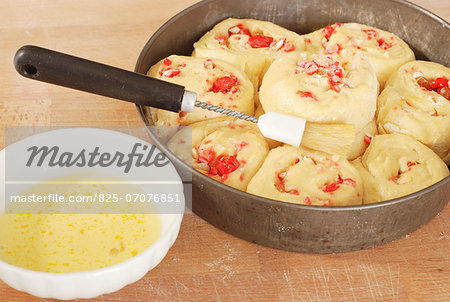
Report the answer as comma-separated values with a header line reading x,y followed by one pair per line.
x,y
57,68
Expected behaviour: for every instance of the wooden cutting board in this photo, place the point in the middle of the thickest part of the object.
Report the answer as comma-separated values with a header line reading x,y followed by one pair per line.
x,y
205,264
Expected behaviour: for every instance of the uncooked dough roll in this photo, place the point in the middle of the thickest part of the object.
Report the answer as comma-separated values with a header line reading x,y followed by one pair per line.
x,y
300,175
249,44
395,165
416,102
362,140
386,51
228,150
215,82
320,89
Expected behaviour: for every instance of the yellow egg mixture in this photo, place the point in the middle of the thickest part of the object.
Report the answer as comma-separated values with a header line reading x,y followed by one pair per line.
x,y
63,243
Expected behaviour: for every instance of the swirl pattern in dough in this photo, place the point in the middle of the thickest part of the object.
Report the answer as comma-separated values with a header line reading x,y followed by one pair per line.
x,y
215,82
386,51
395,165
249,44
228,150
304,176
321,89
416,102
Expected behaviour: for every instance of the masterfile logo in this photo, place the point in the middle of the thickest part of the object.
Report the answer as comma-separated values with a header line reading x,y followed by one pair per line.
x,y
140,156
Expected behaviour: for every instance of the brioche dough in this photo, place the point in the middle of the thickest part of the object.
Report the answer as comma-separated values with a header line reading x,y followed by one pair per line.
x,y
249,44
395,165
406,107
228,150
320,89
300,175
332,76
386,51
215,82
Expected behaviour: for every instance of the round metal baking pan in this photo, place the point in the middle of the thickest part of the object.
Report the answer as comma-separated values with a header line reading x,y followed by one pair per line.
x,y
288,226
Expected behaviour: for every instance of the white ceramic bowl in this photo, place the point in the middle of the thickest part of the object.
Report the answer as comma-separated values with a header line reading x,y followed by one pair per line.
x,y
89,284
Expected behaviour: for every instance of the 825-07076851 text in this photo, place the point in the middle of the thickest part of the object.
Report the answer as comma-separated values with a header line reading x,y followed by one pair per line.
x,y
102,198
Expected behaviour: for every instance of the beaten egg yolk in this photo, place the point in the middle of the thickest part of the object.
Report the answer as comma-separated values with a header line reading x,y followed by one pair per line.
x,y
64,243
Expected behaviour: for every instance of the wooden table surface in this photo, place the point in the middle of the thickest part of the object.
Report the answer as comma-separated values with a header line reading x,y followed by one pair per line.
x,y
205,263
